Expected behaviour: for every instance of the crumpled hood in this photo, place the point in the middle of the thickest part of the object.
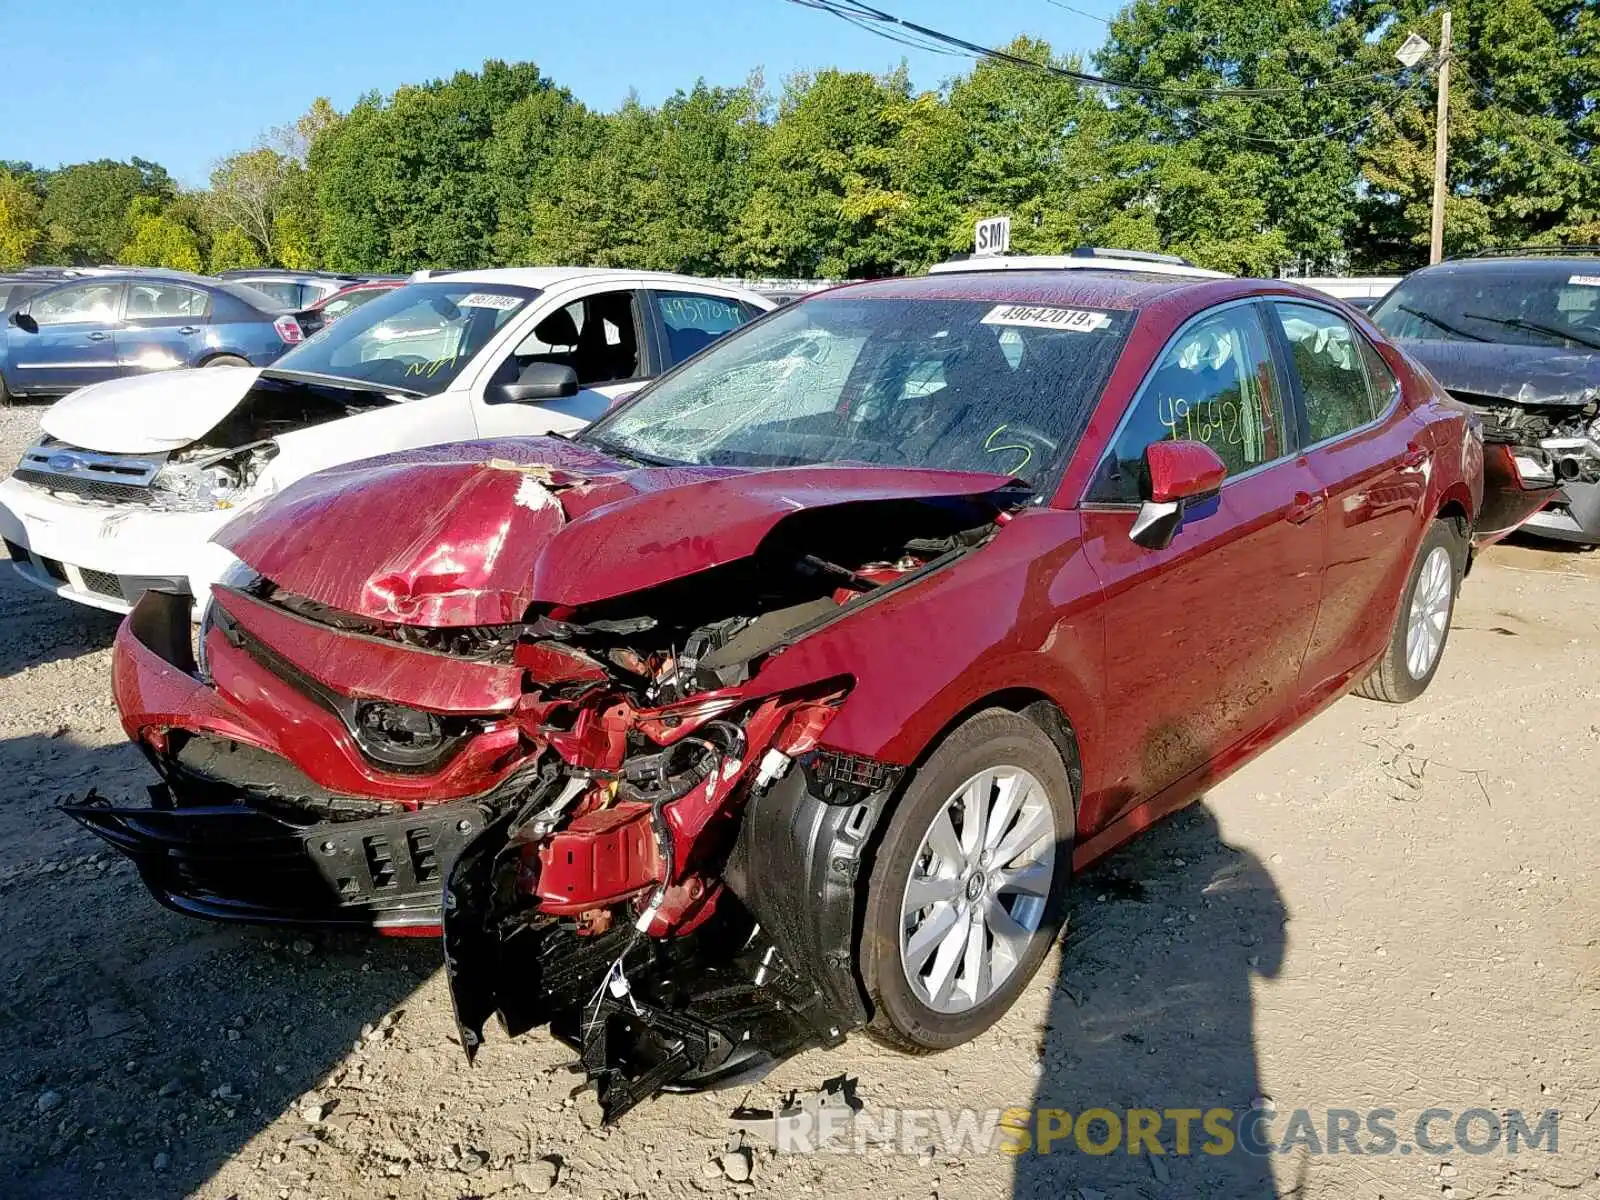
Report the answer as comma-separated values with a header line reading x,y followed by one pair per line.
x,y
1521,374
146,414
472,533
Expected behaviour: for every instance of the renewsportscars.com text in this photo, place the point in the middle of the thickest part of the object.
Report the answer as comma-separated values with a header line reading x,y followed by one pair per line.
x,y
1176,1131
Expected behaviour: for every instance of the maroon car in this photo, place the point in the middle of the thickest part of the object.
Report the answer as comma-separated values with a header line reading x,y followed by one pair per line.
x,y
347,299
785,700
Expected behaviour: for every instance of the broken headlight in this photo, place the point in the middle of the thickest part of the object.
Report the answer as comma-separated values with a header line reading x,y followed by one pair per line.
x,y
211,480
237,575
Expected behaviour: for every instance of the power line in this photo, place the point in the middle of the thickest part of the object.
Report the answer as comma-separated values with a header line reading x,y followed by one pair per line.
x,y
885,24
1081,12
1507,106
1378,109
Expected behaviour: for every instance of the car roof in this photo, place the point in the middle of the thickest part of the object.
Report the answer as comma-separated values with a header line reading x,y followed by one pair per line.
x,y
138,275
1512,265
545,277
1105,260
1113,287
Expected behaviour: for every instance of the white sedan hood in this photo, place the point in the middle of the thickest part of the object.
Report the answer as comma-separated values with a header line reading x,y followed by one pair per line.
x,y
145,414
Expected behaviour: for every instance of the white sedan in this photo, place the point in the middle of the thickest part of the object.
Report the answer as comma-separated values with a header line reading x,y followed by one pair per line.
x,y
133,477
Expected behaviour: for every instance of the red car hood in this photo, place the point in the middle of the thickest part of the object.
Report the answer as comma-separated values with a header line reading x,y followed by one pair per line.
x,y
472,533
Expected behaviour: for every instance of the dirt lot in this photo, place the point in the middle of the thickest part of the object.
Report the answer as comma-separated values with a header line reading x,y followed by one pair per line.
x,y
1397,908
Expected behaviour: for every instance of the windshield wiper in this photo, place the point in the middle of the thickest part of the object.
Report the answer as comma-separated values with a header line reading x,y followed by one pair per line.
x,y
618,450
341,381
1563,335
1438,324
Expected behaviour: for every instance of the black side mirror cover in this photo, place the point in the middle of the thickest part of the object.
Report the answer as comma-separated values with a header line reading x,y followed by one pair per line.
x,y
24,322
538,381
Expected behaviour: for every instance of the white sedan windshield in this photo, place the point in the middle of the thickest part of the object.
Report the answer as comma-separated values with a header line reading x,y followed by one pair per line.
x,y
416,338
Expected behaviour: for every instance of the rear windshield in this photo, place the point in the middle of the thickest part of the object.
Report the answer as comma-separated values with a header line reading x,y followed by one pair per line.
x,y
970,385
1524,304
253,296
415,338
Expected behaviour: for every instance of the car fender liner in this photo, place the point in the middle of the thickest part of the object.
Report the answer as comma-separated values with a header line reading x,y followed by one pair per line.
x,y
796,866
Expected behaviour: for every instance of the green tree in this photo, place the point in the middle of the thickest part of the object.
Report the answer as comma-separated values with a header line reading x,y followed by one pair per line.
x,y
21,219
232,249
1247,182
832,196
1524,122
159,239
86,206
246,192
404,182
655,188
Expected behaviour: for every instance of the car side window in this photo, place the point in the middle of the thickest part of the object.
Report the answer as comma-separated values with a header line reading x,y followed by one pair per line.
x,y
1385,387
151,301
1215,383
598,337
692,322
1328,358
83,304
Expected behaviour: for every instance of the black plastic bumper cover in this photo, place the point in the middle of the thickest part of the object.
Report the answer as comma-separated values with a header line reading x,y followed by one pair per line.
x,y
233,863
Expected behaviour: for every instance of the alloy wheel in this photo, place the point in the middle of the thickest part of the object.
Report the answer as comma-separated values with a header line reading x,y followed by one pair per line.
x,y
1430,612
977,889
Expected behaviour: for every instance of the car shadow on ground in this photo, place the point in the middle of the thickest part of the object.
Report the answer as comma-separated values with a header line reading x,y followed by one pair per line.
x,y
144,1049
1154,1011
55,629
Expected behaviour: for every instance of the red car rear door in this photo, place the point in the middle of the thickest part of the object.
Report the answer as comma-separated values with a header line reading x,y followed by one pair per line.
x,y
1204,639
1368,453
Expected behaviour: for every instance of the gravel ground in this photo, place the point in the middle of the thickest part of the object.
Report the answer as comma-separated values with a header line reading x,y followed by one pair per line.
x,y
1395,908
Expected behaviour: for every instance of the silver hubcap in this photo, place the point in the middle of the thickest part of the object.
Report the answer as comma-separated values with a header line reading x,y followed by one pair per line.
x,y
1430,613
977,889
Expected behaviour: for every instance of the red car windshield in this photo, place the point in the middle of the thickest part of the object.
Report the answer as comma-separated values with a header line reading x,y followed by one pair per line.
x,y
970,385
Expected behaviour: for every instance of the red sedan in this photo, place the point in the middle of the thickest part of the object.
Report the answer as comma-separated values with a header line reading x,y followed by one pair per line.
x,y
786,699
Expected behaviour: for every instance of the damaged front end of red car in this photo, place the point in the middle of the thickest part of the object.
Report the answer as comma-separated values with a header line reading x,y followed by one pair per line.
x,y
530,679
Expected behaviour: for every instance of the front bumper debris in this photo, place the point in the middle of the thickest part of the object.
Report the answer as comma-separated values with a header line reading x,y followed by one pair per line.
x,y
233,863
765,978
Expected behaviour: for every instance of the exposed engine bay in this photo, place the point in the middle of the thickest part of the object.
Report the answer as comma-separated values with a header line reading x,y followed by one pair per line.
x,y
215,471
632,804
1564,438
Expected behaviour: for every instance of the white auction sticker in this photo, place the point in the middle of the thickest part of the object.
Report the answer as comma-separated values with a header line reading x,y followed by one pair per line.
x,y
1079,320
489,300
1585,280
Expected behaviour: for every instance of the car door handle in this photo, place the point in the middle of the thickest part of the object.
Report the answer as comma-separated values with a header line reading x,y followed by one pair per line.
x,y
188,329
1304,506
1415,456
98,337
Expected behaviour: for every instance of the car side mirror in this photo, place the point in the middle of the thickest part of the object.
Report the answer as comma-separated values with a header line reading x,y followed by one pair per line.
x,y
24,322
1180,477
538,381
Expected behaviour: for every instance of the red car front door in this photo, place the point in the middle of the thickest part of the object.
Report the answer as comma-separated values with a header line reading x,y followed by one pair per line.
x,y
1369,454
1204,639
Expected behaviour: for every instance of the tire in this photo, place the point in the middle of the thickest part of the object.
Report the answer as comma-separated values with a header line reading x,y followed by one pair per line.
x,y
1393,680
226,360
5,394
903,1016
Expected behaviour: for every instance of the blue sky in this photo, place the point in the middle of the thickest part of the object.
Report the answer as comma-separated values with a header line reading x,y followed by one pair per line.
x,y
184,82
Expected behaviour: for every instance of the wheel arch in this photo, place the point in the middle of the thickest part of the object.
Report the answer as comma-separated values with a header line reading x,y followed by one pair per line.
x,y
1032,704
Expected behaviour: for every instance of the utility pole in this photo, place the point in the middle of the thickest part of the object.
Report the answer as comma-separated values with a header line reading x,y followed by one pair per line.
x,y
1441,143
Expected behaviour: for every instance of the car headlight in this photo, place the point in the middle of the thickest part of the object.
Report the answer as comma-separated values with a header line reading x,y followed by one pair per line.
x,y
206,483
1533,472
237,575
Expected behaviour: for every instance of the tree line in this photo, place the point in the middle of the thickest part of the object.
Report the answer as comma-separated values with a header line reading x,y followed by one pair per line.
x,y
1258,138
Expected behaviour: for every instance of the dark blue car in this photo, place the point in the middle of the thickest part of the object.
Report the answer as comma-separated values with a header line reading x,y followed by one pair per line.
x,y
83,331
